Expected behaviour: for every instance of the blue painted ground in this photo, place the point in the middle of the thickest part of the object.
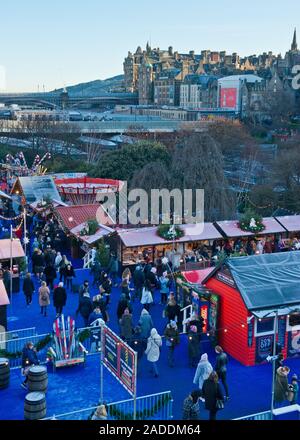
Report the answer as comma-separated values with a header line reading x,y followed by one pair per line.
x,y
72,389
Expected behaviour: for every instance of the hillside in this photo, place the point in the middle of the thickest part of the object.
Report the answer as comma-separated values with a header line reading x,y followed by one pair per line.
x,y
97,87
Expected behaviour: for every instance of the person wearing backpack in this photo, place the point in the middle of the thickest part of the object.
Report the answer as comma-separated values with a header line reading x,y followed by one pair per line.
x,y
153,350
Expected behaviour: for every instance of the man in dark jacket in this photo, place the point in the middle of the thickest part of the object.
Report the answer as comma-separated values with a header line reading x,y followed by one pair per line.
x,y
221,368
59,298
138,281
50,274
122,305
28,288
85,308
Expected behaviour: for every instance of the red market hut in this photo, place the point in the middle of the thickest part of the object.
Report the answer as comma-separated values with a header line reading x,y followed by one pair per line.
x,y
259,297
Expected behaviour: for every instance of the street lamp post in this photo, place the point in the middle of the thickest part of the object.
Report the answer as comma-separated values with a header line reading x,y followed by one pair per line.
x,y
274,362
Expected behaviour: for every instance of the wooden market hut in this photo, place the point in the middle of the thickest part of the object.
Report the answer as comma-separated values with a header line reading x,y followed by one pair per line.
x,y
251,291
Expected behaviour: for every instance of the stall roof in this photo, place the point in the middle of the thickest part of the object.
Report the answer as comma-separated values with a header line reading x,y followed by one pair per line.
x,y
231,228
5,249
75,215
55,203
290,222
267,281
90,239
148,235
4,301
35,188
197,276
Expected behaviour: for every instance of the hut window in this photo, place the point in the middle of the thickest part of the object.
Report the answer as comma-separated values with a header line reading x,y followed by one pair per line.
x,y
264,326
293,322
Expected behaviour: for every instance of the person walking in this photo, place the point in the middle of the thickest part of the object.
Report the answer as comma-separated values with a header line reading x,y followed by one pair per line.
x,y
114,269
281,386
138,281
221,368
147,298
172,340
85,308
84,288
59,298
164,283
58,260
153,350
69,275
50,274
28,288
38,263
62,267
204,370
146,324
122,305
172,310
193,346
191,409
212,394
44,298
106,287
126,326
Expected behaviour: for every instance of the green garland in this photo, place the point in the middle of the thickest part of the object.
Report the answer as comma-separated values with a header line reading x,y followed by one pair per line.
x,y
117,414
163,231
245,221
42,343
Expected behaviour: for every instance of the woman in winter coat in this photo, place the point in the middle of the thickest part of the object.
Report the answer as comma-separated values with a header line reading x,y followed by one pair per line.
x,y
211,392
126,275
281,385
146,325
58,260
204,370
122,305
126,326
62,268
153,350
44,298
147,298
28,288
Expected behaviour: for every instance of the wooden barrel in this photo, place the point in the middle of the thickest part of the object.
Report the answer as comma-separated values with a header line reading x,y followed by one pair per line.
x,y
35,406
4,373
37,378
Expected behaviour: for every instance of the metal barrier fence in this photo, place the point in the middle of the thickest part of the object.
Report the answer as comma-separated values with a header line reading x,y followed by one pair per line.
x,y
267,415
13,335
277,413
91,343
153,407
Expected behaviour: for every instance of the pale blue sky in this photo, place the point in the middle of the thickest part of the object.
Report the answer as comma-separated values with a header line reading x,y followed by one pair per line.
x,y
56,42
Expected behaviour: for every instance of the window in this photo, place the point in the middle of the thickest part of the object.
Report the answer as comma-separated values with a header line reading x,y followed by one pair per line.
x,y
264,326
293,322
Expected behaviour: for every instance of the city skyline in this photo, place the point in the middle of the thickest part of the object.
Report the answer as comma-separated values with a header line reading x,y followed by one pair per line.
x,y
81,43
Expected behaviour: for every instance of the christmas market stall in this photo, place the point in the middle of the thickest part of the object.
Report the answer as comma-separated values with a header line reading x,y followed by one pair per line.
x,y
36,188
80,222
258,298
4,302
155,242
292,225
12,251
197,299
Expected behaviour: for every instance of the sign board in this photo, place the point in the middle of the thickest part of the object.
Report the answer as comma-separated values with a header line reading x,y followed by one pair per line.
x,y
294,344
264,348
225,278
281,330
250,332
228,97
119,359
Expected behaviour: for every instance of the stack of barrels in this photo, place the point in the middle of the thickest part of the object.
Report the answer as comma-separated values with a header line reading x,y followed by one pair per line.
x,y
4,373
35,401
